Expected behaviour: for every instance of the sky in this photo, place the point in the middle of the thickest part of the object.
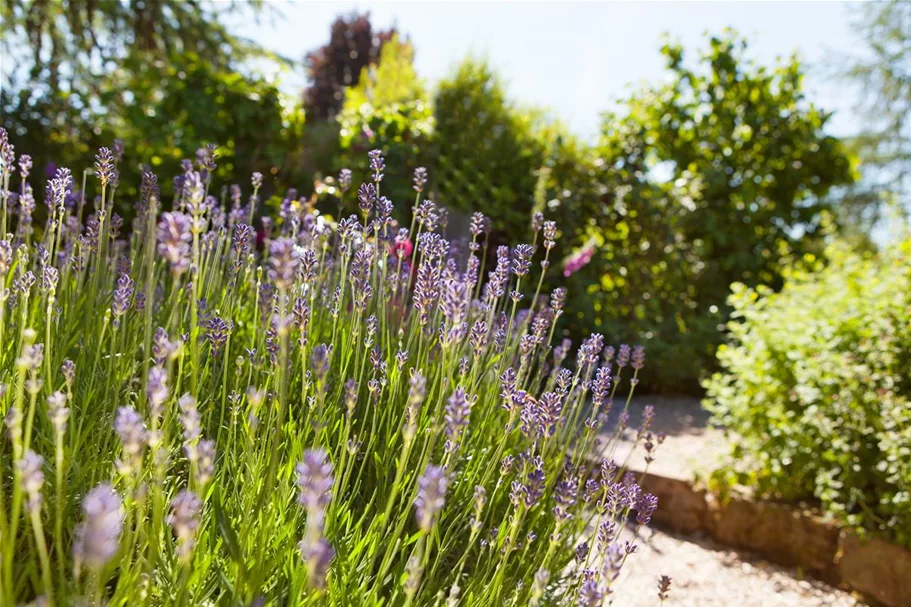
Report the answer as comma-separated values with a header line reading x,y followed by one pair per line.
x,y
576,58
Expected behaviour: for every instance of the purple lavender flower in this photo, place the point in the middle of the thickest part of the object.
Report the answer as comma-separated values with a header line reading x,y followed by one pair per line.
x,y
590,594
174,241
122,295
420,179
25,166
319,361
623,355
184,520
283,261
240,242
645,508
6,257
550,234
314,477
377,164
189,418
521,261
205,460
638,358
366,197
565,498
104,166
537,221
217,334
131,429
458,409
256,180
68,370
432,486
664,587
344,180
7,152
601,386
98,536
318,556
58,412
534,482
590,349
426,215
31,478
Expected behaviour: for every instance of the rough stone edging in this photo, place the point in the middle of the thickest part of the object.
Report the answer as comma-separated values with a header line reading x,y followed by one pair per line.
x,y
788,536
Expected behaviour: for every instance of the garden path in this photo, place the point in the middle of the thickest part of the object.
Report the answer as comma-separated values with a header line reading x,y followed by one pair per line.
x,y
704,573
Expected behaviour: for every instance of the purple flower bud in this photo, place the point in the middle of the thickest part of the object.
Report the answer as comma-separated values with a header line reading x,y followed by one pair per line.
x,y
314,477
283,261
7,152
68,369
318,556
189,417
184,520
638,358
319,361
420,179
256,180
104,166
366,197
377,164
205,461
623,355
521,261
174,241
645,508
217,331
664,587
98,536
131,429
458,409
25,166
122,295
31,478
432,486
537,221
344,180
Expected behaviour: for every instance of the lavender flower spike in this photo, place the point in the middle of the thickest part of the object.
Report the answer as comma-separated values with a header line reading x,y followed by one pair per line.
x,y
431,496
184,520
98,536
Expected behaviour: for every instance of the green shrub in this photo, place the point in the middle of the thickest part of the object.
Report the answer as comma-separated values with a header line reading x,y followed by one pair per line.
x,y
389,107
487,154
815,386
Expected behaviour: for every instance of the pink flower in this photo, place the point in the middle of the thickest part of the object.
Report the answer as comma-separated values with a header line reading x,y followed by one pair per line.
x,y
578,259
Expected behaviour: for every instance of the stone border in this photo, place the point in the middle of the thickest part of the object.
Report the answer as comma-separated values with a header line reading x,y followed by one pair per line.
x,y
876,569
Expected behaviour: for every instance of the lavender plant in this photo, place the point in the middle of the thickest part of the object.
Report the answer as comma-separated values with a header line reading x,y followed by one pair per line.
x,y
334,417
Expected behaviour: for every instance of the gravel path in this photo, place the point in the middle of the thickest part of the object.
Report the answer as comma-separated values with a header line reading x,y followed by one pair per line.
x,y
707,575
704,573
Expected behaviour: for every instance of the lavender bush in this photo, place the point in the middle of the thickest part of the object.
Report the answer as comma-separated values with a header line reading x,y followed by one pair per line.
x,y
326,416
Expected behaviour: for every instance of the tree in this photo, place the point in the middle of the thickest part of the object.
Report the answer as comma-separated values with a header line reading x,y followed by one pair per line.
x,y
352,46
487,153
716,177
71,88
883,76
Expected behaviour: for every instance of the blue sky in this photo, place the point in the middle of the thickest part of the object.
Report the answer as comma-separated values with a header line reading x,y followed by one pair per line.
x,y
575,58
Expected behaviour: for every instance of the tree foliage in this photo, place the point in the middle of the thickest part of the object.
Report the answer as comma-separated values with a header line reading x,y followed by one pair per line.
x,y
716,177
883,78
352,46
388,109
487,153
